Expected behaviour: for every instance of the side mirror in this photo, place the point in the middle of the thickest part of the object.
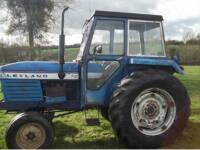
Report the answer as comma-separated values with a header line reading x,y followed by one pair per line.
x,y
97,49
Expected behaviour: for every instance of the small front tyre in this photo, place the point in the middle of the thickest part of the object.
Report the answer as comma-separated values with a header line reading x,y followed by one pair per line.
x,y
29,131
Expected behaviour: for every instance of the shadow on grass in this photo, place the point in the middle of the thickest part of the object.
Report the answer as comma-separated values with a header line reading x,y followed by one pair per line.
x,y
95,144
195,111
65,138
189,139
65,130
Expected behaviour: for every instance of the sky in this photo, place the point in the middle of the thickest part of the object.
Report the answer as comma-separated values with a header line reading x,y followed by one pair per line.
x,y
180,17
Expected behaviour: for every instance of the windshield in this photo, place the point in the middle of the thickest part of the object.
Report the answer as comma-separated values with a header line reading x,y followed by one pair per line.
x,y
146,38
86,30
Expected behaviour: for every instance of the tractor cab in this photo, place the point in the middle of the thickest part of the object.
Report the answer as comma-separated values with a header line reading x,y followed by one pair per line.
x,y
115,45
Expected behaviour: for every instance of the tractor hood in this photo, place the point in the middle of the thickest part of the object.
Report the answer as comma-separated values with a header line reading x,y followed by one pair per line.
x,y
37,70
38,67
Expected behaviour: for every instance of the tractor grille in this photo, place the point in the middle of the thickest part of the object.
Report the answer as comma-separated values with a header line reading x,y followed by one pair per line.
x,y
22,90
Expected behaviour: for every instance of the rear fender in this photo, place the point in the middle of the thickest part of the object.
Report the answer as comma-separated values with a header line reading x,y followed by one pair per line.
x,y
169,63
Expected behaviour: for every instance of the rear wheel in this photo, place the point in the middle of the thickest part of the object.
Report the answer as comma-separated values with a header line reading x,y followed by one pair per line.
x,y
29,131
149,109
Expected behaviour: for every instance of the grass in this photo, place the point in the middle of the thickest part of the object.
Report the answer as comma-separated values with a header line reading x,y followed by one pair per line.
x,y
72,132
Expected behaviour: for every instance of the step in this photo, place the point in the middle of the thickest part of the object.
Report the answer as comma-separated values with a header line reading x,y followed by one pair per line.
x,y
93,122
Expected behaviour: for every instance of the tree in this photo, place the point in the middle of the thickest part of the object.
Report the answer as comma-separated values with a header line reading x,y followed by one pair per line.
x,y
2,18
188,36
198,37
30,17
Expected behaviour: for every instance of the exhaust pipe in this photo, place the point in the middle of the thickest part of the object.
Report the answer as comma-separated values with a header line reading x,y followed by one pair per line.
x,y
61,73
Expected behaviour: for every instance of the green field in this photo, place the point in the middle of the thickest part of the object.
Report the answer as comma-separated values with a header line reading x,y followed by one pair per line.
x,y
72,132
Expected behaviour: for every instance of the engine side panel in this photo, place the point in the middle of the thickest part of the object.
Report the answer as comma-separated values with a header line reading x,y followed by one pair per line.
x,y
22,90
28,85
64,91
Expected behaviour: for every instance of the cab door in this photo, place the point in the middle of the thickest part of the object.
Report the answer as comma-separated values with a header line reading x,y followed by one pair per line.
x,y
105,60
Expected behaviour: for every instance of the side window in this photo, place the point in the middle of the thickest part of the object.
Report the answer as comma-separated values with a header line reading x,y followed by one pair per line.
x,y
153,42
101,37
108,34
146,38
134,43
118,46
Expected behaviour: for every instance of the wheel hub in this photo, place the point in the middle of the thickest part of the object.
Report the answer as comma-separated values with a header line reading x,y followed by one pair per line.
x,y
30,135
152,111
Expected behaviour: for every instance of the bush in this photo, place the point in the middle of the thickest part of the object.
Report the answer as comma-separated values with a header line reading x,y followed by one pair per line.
x,y
16,53
189,54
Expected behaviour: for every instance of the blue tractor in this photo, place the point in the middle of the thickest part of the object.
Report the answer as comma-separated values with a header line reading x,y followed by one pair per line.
x,y
121,69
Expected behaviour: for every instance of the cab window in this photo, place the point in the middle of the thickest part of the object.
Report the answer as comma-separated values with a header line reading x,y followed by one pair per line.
x,y
109,35
146,39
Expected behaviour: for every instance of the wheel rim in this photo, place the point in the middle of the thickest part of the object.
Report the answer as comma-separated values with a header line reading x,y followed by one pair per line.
x,y
153,111
30,135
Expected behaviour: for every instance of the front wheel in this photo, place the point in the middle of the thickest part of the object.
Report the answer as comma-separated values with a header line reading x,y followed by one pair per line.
x,y
29,131
149,109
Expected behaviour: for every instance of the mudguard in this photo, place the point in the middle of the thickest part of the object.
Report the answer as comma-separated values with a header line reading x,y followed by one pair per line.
x,y
157,62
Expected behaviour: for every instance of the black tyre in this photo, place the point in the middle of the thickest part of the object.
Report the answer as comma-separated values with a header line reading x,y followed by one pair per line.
x,y
149,109
49,115
29,131
104,113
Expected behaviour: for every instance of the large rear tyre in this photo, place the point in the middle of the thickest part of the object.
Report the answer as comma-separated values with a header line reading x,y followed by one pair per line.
x,y
149,109
29,131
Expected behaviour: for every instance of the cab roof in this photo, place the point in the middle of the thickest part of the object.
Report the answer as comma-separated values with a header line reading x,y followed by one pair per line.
x,y
128,15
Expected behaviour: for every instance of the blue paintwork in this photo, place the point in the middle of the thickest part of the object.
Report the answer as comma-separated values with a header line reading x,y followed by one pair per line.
x,y
156,62
31,90
102,95
44,67
22,90
94,67
59,99
39,67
